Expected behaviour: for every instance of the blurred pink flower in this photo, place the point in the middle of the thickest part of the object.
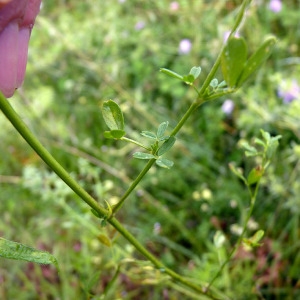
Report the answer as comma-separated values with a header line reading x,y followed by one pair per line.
x,y
275,5
289,91
228,107
16,21
185,46
140,25
174,6
157,228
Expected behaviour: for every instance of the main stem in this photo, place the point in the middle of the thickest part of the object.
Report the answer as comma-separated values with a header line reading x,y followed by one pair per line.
x,y
188,113
133,185
21,127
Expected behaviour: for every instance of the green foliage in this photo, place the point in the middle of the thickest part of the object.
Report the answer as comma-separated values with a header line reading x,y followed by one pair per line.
x,y
253,241
236,68
113,115
114,120
269,145
257,59
188,79
96,53
233,60
18,251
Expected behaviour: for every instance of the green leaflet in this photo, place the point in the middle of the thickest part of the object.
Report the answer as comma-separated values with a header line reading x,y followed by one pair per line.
x,y
257,59
149,134
114,134
254,240
162,129
142,155
14,250
166,146
164,163
113,115
195,71
171,73
188,79
255,175
233,60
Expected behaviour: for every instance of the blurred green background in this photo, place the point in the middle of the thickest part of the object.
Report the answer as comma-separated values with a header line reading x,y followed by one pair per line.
x,y
85,52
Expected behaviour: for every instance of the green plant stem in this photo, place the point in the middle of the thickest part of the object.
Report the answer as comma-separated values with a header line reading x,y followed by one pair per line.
x,y
176,277
220,94
188,113
65,176
135,142
21,127
200,100
133,185
111,283
152,161
240,239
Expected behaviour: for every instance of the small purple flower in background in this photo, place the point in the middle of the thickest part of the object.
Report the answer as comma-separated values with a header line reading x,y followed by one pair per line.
x,y
275,5
139,25
16,21
289,91
157,228
227,107
174,6
185,46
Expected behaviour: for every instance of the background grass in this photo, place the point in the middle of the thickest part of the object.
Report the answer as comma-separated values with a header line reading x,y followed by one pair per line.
x,y
83,53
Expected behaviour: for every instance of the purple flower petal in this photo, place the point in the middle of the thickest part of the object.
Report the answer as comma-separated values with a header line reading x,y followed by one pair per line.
x,y
139,25
275,6
24,35
9,58
185,46
289,91
174,6
16,21
228,107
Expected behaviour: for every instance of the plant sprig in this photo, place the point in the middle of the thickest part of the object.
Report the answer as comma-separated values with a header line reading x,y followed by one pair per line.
x,y
236,69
